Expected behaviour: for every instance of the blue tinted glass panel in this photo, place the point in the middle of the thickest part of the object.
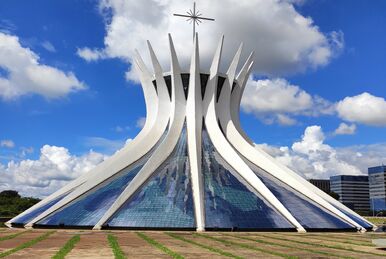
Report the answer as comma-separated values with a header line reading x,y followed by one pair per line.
x,y
377,169
36,212
304,210
357,219
229,201
378,204
165,200
90,207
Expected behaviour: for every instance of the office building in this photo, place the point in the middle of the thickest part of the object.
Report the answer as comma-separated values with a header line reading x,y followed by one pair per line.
x,y
353,191
322,184
377,185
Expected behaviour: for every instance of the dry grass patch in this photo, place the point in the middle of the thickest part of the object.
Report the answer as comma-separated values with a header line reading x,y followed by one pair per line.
x,y
338,247
210,248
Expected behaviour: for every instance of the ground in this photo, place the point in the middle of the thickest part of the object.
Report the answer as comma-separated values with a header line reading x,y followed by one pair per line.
x,y
22,243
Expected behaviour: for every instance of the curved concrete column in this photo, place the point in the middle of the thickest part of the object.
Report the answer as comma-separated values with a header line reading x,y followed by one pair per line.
x,y
255,157
137,148
166,147
225,149
194,130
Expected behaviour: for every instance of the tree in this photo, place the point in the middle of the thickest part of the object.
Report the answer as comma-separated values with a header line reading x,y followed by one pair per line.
x,y
12,204
9,194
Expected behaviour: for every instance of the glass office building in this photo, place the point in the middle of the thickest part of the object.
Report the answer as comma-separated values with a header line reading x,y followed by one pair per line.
x,y
377,185
323,184
353,191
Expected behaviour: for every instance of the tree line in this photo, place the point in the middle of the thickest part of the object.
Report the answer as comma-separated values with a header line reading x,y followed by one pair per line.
x,y
12,204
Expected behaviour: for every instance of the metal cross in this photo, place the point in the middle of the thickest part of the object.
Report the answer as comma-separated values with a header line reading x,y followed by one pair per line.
x,y
194,17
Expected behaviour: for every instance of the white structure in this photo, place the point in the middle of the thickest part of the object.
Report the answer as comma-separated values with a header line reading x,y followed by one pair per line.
x,y
192,167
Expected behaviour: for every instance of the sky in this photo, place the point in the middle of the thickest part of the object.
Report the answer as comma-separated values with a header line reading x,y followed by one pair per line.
x,y
69,98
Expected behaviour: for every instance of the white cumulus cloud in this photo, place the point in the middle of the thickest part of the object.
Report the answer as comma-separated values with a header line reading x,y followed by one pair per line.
x,y
364,108
53,169
276,100
90,54
313,158
26,75
345,129
284,40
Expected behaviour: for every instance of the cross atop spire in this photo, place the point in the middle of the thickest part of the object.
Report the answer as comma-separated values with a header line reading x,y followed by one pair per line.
x,y
194,17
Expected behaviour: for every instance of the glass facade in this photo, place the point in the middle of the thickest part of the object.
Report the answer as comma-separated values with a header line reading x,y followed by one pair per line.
x,y
308,214
36,212
90,207
353,191
166,200
377,186
357,219
230,203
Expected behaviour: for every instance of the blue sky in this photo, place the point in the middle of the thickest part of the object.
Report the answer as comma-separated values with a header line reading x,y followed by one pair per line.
x,y
109,100
100,105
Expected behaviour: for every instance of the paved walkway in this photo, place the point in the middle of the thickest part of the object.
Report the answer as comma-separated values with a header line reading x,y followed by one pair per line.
x,y
21,243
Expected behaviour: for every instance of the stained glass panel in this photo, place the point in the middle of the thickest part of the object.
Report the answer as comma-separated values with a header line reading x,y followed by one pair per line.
x,y
309,214
229,201
86,210
165,201
36,212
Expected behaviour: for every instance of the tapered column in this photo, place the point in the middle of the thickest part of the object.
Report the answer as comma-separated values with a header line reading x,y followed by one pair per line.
x,y
235,134
228,153
166,147
158,105
194,129
255,156
236,94
151,101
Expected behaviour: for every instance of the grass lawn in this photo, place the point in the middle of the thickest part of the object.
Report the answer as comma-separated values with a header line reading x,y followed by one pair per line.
x,y
377,220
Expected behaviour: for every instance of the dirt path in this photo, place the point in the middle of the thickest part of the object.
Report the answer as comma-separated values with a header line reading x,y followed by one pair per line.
x,y
44,249
135,247
91,245
183,248
16,241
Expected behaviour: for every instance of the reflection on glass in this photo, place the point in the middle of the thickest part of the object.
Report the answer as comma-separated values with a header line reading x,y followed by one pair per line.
x,y
36,212
165,200
229,201
89,208
309,214
357,219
